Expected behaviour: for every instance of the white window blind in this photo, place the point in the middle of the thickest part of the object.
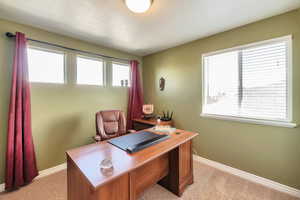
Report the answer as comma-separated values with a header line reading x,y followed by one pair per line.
x,y
249,82
90,71
46,66
120,74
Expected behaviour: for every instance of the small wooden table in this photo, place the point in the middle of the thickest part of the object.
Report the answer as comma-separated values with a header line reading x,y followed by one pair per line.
x,y
140,124
169,163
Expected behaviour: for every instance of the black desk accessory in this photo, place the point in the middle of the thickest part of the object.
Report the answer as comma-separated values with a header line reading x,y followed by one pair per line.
x,y
137,141
167,116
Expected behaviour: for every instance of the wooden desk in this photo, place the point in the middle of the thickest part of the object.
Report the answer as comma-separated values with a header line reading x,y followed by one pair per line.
x,y
141,124
169,162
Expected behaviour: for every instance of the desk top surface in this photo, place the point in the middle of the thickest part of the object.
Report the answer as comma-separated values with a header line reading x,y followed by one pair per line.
x,y
87,158
146,121
152,121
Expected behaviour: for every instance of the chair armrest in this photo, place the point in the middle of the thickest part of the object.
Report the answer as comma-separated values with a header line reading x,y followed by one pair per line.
x,y
97,138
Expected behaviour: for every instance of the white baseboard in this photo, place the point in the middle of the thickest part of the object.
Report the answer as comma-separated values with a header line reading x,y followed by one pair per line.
x,y
51,170
43,173
250,177
245,175
2,187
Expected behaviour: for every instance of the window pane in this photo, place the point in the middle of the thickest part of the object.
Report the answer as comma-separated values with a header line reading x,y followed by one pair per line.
x,y
222,84
45,66
120,74
249,82
89,71
264,82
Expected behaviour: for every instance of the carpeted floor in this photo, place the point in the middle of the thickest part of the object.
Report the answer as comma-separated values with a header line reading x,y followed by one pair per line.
x,y
209,184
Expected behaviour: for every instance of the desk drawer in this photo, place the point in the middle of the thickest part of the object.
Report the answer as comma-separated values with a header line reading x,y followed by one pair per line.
x,y
147,175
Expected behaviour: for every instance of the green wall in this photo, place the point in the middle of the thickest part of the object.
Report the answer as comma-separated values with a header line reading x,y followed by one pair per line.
x,y
62,115
267,151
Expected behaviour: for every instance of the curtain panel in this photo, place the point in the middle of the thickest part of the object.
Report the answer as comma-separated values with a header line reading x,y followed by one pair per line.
x,y
136,99
20,155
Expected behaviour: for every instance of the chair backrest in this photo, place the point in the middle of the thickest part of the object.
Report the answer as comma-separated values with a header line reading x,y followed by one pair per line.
x,y
110,123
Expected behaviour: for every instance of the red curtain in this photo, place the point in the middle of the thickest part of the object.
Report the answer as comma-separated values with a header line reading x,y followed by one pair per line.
x,y
136,99
20,156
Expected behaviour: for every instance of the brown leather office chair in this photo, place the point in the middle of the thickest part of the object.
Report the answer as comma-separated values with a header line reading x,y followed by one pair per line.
x,y
110,124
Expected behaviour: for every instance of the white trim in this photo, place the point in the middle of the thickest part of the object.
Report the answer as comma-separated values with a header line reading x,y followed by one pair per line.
x,y
286,38
283,123
51,170
251,121
2,187
289,77
43,173
250,177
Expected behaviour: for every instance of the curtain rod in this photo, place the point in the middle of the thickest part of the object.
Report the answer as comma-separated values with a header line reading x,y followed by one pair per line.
x,y
11,35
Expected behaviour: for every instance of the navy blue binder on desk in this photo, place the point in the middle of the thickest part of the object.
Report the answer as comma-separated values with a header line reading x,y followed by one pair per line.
x,y
137,141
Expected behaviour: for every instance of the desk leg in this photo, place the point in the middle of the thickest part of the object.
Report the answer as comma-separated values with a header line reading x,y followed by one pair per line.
x,y
180,169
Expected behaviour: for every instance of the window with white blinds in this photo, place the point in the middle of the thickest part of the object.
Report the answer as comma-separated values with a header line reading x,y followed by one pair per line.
x,y
249,82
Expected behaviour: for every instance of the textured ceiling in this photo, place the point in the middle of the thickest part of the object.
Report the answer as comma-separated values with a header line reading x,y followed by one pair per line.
x,y
168,23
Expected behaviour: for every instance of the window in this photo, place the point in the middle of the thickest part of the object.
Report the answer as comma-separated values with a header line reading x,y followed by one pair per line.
x,y
90,71
46,66
249,82
120,74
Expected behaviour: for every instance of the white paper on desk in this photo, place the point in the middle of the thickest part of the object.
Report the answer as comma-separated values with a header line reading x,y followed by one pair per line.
x,y
164,130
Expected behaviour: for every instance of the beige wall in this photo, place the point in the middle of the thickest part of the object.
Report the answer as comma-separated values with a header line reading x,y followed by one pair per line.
x,y
271,152
62,115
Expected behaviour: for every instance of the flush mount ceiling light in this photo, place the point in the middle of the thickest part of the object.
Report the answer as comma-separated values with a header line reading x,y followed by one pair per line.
x,y
138,6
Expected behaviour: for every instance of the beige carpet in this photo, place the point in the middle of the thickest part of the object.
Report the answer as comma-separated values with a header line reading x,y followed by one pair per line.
x,y
210,184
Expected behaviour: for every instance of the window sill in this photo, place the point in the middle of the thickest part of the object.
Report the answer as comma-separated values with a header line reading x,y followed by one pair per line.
x,y
118,86
251,121
47,83
88,85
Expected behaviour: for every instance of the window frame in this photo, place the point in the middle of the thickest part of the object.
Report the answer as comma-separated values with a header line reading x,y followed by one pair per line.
x,y
256,120
112,75
89,57
49,50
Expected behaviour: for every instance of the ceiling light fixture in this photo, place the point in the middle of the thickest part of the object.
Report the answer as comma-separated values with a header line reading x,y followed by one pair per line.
x,y
138,6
